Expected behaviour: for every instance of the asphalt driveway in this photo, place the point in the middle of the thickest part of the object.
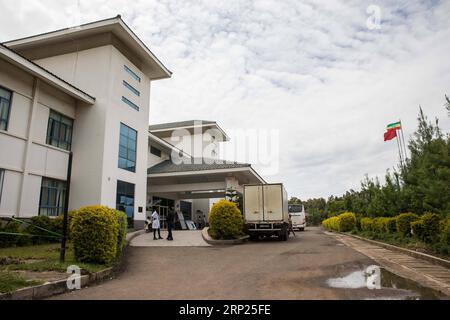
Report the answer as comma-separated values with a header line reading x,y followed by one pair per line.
x,y
297,269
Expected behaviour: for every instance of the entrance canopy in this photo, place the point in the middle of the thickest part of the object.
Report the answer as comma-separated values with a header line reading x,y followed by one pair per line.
x,y
199,180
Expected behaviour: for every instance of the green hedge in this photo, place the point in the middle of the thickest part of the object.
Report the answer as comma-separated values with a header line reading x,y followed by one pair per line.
x,y
344,222
404,221
427,228
94,232
225,221
445,231
122,234
391,225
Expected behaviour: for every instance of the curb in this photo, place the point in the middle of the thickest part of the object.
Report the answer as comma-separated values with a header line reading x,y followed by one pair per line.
x,y
131,236
211,241
415,254
55,288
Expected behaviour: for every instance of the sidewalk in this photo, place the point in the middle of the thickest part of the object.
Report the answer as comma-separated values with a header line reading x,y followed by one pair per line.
x,y
180,239
425,273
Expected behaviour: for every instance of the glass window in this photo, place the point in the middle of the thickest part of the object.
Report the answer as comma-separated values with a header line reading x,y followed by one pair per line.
x,y
2,178
131,88
127,148
59,131
53,197
131,104
125,200
155,151
5,106
132,74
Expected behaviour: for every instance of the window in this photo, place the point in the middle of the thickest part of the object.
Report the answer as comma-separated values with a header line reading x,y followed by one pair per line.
x,y
5,105
59,132
155,151
132,74
125,199
127,148
2,178
131,104
131,88
53,197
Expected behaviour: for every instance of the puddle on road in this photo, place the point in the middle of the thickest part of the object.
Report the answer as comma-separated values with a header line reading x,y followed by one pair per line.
x,y
389,281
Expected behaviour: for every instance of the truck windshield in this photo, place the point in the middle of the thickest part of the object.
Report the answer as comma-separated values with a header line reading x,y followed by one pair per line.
x,y
295,208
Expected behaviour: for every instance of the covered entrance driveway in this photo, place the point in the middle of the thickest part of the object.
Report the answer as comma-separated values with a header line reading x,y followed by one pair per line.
x,y
198,184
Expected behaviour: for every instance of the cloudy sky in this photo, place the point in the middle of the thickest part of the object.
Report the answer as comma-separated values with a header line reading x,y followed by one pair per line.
x,y
313,71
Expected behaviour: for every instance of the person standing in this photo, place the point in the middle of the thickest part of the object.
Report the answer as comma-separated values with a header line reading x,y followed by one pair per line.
x,y
170,223
156,225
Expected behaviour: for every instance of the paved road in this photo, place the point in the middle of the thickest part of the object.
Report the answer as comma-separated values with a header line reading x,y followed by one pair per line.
x,y
297,269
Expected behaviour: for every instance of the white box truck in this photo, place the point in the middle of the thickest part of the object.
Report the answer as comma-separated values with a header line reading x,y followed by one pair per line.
x,y
266,211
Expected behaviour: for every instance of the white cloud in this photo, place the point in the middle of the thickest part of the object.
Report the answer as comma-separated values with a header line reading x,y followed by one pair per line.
x,y
311,69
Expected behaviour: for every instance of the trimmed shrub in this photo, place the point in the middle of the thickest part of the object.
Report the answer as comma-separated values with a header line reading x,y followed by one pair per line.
x,y
404,221
7,241
331,223
94,231
427,228
379,225
344,222
391,225
42,236
122,234
225,221
367,224
445,232
347,222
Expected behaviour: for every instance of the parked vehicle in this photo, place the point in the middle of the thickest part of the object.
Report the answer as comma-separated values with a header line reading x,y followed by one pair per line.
x,y
298,217
266,211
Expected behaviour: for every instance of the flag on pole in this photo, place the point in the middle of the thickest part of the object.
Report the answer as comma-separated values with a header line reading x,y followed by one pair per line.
x,y
390,134
394,126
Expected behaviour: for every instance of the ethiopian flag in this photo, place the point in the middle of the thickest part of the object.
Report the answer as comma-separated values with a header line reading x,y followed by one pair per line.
x,y
394,126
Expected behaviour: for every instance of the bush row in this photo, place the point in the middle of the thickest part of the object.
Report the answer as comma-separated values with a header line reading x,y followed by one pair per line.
x,y
429,227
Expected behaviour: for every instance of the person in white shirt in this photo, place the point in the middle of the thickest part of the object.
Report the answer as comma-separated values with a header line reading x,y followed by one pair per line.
x,y
156,225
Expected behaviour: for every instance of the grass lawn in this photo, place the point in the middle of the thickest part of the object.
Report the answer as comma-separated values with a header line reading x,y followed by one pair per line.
x,y
10,282
35,259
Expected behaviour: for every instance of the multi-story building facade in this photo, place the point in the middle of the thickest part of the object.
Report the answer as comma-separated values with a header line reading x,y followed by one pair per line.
x,y
84,94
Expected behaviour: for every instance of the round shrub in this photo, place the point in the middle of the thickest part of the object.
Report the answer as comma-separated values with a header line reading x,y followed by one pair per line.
x,y
391,225
404,221
445,231
427,228
347,222
122,234
331,223
225,221
367,224
94,232
379,225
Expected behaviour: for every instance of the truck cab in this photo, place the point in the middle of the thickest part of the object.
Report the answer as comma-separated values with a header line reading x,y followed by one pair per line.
x,y
298,217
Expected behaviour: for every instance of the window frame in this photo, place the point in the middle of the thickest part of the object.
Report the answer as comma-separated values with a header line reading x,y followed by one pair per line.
x,y
133,74
130,104
131,88
8,116
2,180
60,196
60,123
126,194
127,158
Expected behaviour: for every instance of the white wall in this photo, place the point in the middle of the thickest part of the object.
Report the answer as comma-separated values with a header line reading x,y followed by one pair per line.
x,y
22,184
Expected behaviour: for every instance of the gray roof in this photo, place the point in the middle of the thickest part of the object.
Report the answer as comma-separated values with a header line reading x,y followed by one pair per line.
x,y
180,124
169,167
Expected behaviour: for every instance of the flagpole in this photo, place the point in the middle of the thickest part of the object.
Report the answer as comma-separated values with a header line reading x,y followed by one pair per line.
x,y
399,150
403,138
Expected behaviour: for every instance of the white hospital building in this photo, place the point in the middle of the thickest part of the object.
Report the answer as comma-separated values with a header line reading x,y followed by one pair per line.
x,y
86,91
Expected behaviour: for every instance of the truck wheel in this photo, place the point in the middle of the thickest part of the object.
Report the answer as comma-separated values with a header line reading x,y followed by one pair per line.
x,y
286,235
